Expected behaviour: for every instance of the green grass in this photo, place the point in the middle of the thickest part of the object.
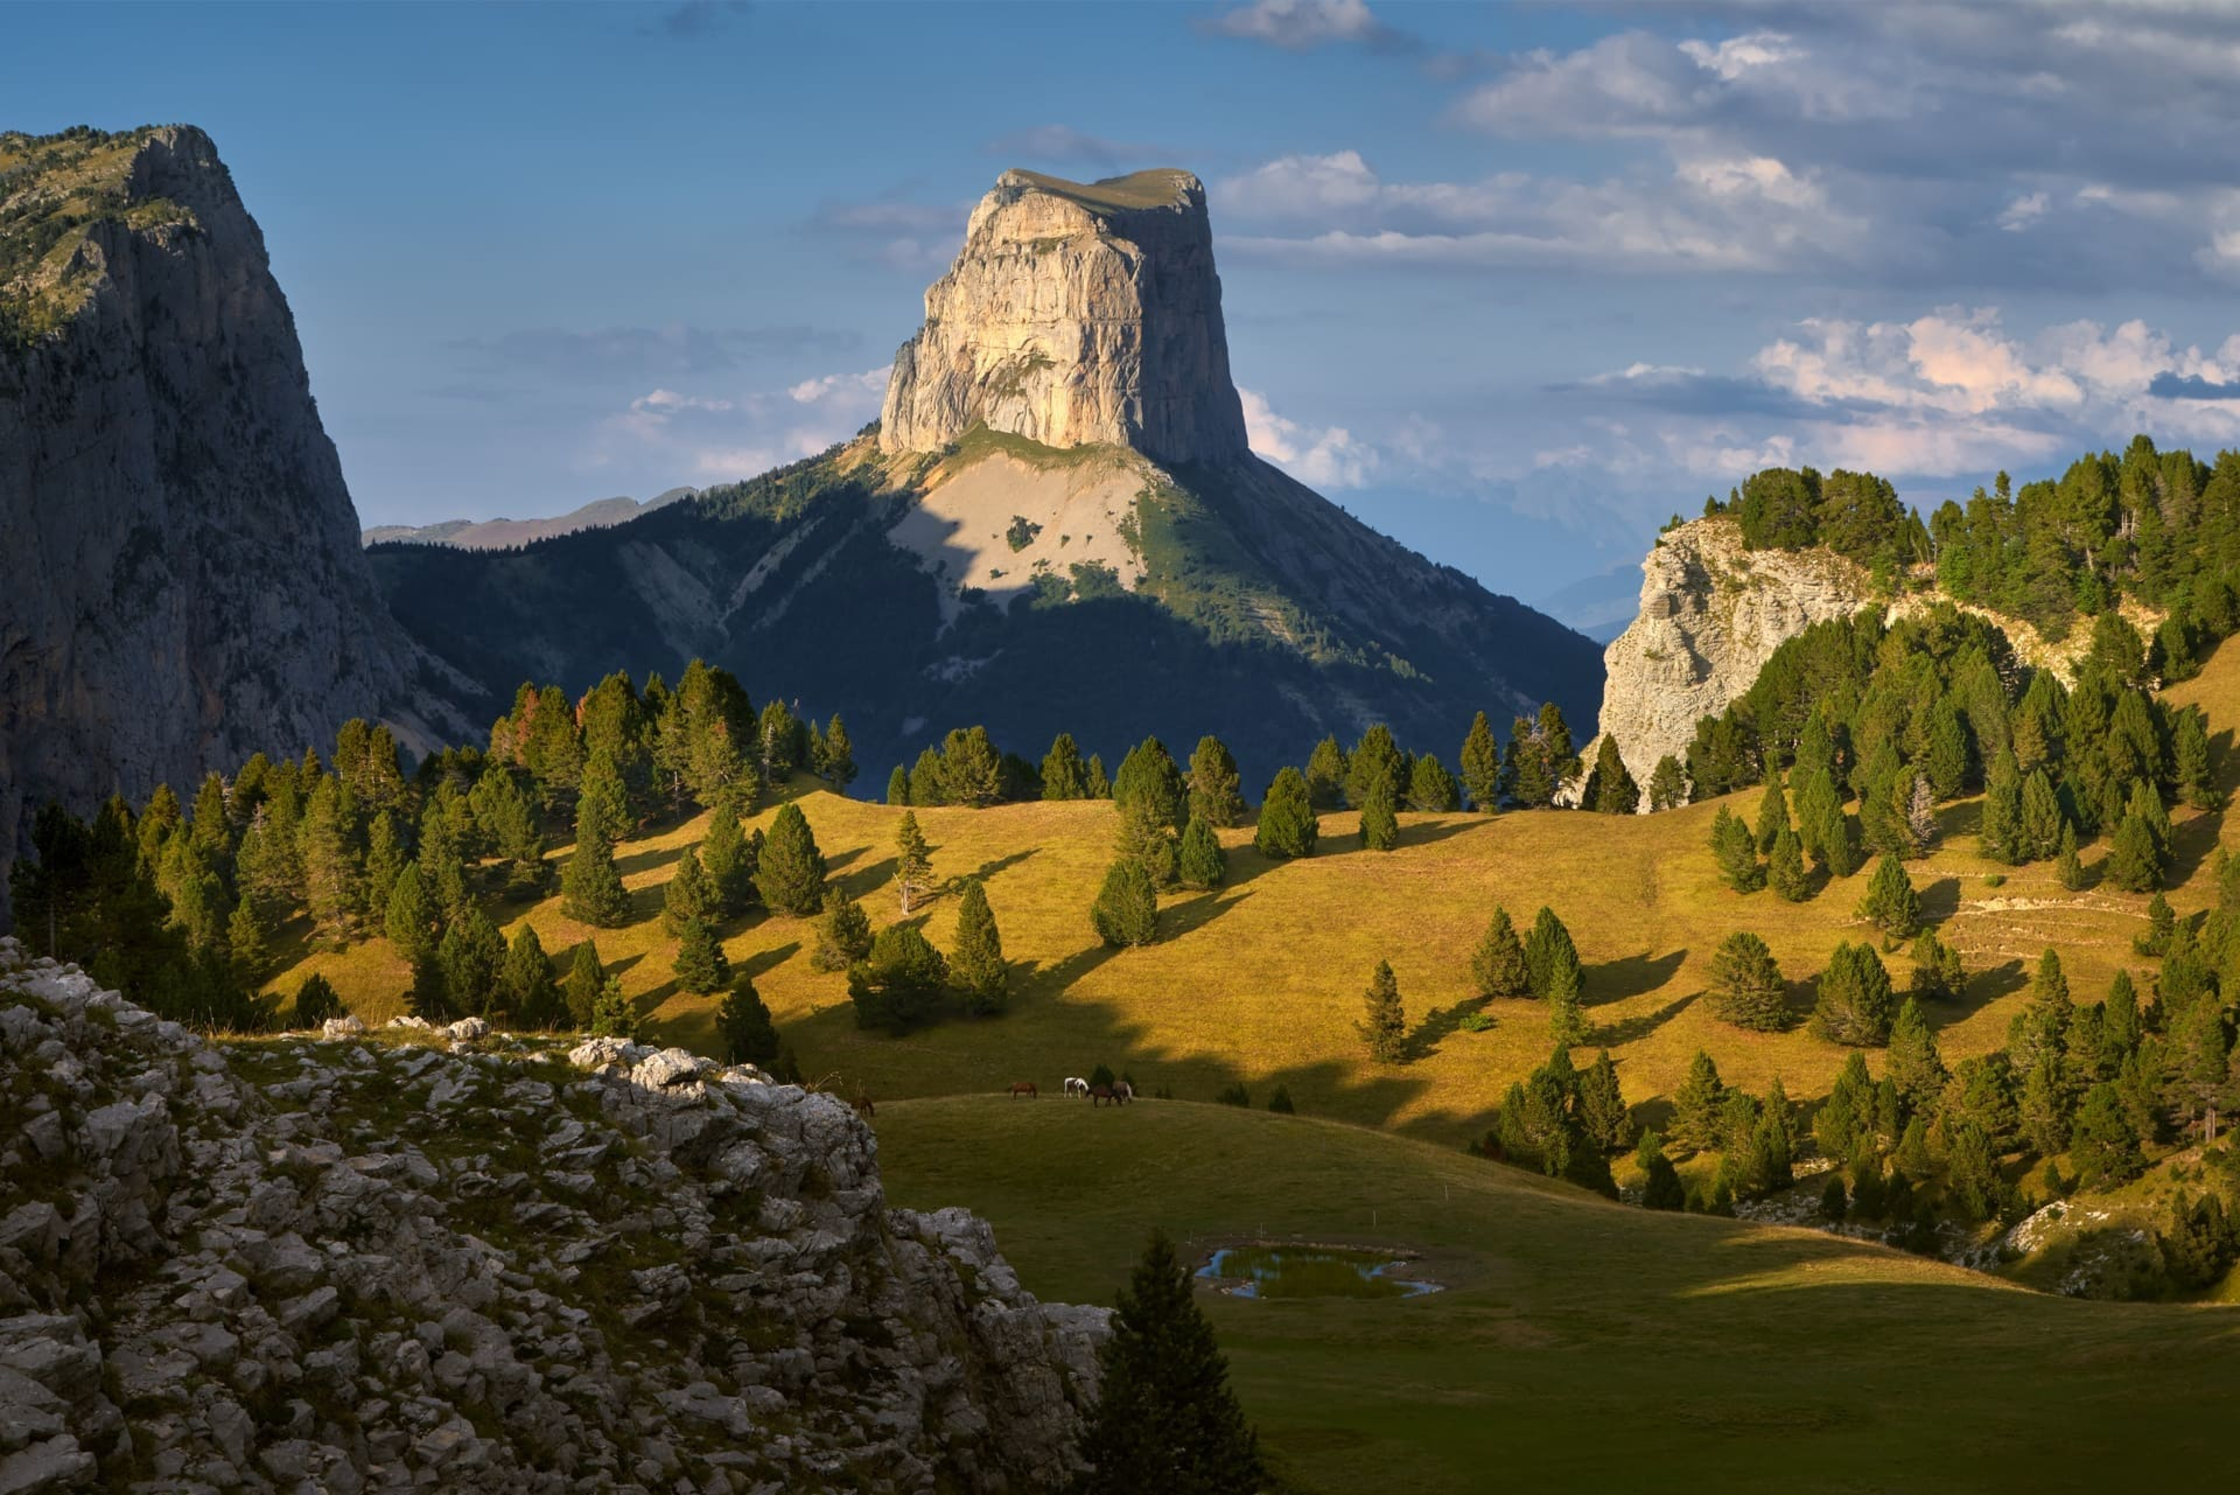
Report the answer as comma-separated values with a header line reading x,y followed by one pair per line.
x,y
1577,1342
1157,188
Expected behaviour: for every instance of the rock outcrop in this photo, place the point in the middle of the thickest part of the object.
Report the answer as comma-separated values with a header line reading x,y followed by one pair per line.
x,y
180,578
1712,613
440,1260
1075,315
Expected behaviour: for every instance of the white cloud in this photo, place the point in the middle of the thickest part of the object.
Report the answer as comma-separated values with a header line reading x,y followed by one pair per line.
x,y
1297,25
2023,212
665,401
1327,457
844,387
729,436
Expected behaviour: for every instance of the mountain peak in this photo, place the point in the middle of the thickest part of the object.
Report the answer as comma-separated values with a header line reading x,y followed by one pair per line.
x,y
1077,314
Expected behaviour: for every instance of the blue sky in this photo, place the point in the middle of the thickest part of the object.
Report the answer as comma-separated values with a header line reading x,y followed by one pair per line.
x,y
1511,282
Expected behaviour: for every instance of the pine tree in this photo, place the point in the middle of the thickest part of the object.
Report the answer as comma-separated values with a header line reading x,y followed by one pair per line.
x,y
1737,852
2067,868
1150,781
385,858
1785,870
898,786
612,1014
1215,785
530,994
1287,819
1166,1419
591,890
843,932
1891,904
586,979
1547,946
1668,786
789,874
1567,1018
333,879
248,944
927,785
701,964
1325,777
839,766
1610,789
726,859
472,955
1855,999
2189,752
1912,1158
1914,1065
410,921
2162,923
1431,789
913,863
1375,759
1773,811
1380,828
316,1001
1697,1103
1497,966
901,982
744,1032
2104,1143
1127,908
1603,1113
1481,767
2001,832
1846,1117
688,896
1063,776
2122,1027
1384,1025
1098,785
976,962
2135,862
1200,862
1661,1188
2039,834
1746,985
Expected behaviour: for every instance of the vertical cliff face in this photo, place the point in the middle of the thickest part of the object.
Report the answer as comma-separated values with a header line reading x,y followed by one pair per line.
x,y
180,578
1076,315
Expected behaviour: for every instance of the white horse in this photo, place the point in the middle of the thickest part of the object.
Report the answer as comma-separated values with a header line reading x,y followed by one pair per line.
x,y
1076,1087
1123,1092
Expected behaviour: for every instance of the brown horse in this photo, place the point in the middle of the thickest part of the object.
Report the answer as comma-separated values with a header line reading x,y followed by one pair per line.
x,y
1119,1094
1025,1088
864,1108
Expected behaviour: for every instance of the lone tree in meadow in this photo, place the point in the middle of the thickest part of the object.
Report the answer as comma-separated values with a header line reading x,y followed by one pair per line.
x,y
1567,1018
1891,905
1287,819
976,963
687,897
1380,828
1546,948
1384,1024
913,863
1855,999
1746,985
790,872
1127,908
1200,863
1737,852
1166,1419
1497,966
701,965
744,1032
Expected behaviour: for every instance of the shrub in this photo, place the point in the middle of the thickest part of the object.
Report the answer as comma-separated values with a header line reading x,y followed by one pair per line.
x,y
1281,1101
1233,1094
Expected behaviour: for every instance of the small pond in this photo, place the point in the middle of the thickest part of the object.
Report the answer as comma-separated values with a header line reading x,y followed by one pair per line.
x,y
1311,1272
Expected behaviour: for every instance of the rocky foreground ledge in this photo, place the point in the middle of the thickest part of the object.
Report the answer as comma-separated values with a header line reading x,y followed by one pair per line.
x,y
428,1260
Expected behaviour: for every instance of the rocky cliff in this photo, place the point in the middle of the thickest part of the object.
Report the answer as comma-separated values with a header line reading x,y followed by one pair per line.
x,y
1075,315
442,1259
180,578
1712,613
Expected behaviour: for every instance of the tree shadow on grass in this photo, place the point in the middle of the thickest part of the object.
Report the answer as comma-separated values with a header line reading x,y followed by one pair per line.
x,y
987,870
1630,976
1940,900
763,962
651,857
2192,842
1984,988
1625,1030
1437,1024
865,881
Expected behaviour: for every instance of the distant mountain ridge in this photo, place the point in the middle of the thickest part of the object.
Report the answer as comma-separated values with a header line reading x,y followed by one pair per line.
x,y
502,533
1057,526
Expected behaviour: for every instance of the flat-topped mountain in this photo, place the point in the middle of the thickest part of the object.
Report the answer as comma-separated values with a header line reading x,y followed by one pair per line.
x,y
497,534
1057,526
1075,315
180,577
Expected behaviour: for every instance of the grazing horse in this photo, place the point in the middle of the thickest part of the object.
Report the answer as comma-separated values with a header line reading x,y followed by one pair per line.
x,y
1025,1088
864,1108
1076,1086
1119,1094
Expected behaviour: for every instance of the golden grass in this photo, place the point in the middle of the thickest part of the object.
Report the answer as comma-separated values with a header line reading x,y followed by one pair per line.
x,y
1262,981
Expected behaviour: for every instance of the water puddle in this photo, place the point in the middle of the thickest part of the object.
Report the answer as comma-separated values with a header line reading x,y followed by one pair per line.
x,y
1311,1272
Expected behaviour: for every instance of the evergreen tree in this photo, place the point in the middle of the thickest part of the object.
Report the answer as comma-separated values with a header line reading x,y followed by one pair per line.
x,y
586,979
1098,785
1200,863
1497,966
1567,1019
1481,767
612,1013
248,944
1668,786
1696,1105
898,786
1737,852
1855,999
1063,776
1127,908
1215,795
410,921
1937,972
843,933
2162,923
385,858
900,983
591,889
1912,1158
2039,835
2001,833
839,765
1287,819
789,874
1380,828
2067,869
2135,862
1914,1065
2189,752
1166,1419
727,861
700,964
1661,1188
1773,811
316,1001
2104,1143
2044,1108
688,897
1431,789
1150,782
1746,985
2199,1248
1384,1025
1610,789
927,785
1546,947
1375,760
332,876
472,955
2041,1029
1602,1110
744,1032
2122,1027
530,994
1325,777
1785,870
1846,1117
976,963
1891,904
913,863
